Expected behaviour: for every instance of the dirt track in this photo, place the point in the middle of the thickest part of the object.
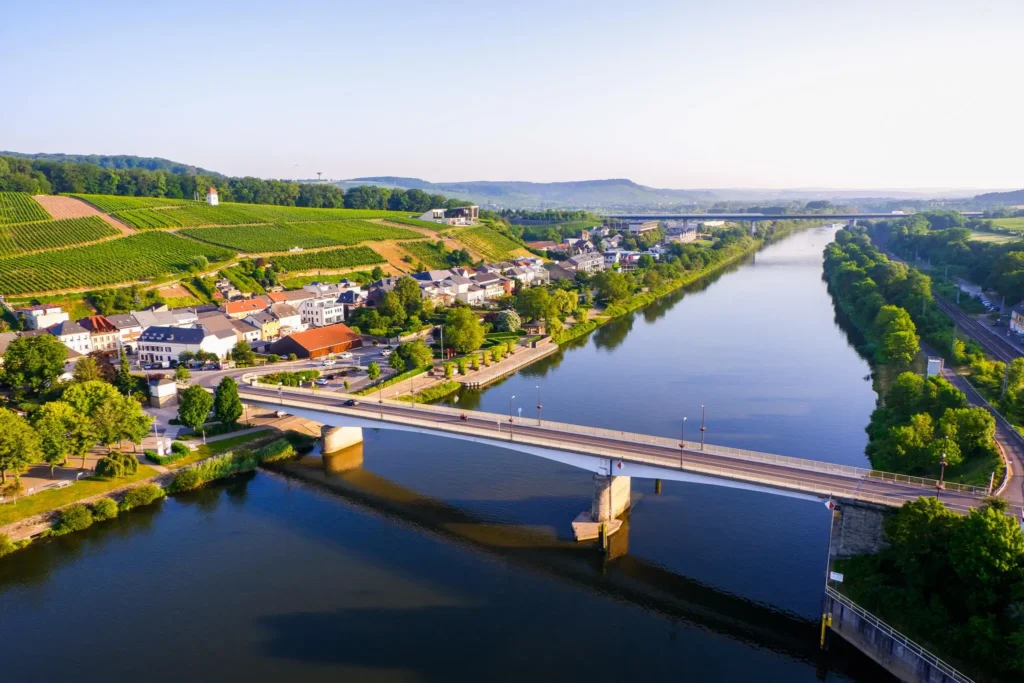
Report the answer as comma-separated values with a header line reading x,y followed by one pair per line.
x,y
70,207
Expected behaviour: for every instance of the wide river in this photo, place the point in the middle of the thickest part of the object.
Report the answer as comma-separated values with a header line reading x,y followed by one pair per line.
x,y
441,560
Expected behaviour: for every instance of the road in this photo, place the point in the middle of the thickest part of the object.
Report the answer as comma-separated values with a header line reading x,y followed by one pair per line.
x,y
993,343
361,358
773,474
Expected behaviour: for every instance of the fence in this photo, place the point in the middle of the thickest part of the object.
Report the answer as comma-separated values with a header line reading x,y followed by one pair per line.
x,y
897,645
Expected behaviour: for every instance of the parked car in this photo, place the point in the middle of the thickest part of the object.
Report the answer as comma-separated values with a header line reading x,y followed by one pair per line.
x,y
321,382
351,402
328,363
347,355
386,352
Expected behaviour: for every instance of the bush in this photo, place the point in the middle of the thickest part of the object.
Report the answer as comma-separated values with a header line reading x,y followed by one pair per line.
x,y
150,454
104,509
74,518
179,448
292,357
7,546
117,464
273,358
140,495
185,480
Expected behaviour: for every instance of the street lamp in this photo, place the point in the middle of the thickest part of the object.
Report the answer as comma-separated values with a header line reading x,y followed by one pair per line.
x,y
280,394
510,416
538,405
702,427
682,442
942,473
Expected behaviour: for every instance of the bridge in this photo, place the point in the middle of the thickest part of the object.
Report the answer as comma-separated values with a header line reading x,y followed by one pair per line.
x,y
739,216
614,457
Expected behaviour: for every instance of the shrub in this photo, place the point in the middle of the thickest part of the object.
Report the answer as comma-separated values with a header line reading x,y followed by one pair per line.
x,y
275,450
117,464
179,448
140,495
273,358
6,545
104,509
74,518
292,357
150,454
185,480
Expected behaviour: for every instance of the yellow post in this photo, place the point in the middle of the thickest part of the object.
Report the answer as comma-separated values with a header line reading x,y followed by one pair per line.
x,y
824,623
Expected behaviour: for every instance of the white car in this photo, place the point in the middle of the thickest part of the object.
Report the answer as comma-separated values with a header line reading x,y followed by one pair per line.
x,y
386,352
328,363
347,355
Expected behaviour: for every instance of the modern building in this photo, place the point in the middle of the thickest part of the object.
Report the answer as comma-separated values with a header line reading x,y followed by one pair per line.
x,y
463,215
166,344
293,297
589,262
42,316
72,335
318,342
640,227
322,312
103,334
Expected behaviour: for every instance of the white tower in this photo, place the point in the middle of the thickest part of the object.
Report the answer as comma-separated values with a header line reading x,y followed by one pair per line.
x,y
211,196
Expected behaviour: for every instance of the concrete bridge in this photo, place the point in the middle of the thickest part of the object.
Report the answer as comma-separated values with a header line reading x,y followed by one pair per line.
x,y
739,216
614,457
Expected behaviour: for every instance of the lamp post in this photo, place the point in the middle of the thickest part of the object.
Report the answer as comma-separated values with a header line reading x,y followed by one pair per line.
x,y
942,473
280,392
538,405
682,442
510,416
702,427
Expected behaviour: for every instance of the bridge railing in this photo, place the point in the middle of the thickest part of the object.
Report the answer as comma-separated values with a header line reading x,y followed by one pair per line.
x,y
453,424
664,442
908,645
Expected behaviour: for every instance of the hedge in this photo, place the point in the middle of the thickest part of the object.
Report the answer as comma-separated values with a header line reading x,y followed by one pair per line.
x,y
434,393
230,463
140,495
393,380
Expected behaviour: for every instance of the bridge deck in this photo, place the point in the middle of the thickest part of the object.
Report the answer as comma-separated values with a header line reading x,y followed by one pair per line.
x,y
765,469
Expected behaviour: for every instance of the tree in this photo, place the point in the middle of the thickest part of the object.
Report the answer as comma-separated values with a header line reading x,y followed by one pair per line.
x,y
987,552
373,371
397,363
194,407
125,382
462,330
897,335
226,404
243,354
972,428
415,354
408,291
87,397
19,444
35,362
134,423
182,374
611,286
86,370
392,308
507,321
60,429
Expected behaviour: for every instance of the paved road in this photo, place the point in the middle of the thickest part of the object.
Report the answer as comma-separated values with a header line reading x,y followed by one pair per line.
x,y
768,473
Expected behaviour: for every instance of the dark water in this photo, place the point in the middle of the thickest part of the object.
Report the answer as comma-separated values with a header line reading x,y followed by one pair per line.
x,y
444,560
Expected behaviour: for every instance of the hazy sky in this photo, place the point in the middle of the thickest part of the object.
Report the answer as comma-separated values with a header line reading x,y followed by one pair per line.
x,y
786,93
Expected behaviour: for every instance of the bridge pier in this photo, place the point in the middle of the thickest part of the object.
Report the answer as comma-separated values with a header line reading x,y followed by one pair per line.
x,y
858,529
339,438
611,499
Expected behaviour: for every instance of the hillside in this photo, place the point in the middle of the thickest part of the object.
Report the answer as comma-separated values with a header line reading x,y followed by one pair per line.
x,y
117,161
1015,197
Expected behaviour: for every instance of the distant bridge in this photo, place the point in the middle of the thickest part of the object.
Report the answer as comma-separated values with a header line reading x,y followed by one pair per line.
x,y
760,216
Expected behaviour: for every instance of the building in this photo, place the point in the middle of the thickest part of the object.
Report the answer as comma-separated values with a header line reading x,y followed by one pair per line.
x,y
559,272
103,334
318,342
166,344
42,316
266,324
1017,318
322,312
246,331
589,262
211,196
163,392
241,308
128,330
463,215
322,289
5,340
351,300
543,245
289,320
640,227
293,297
162,318
72,335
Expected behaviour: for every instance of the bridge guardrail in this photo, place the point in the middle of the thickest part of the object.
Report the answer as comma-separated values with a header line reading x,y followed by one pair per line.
x,y
672,462
664,442
909,645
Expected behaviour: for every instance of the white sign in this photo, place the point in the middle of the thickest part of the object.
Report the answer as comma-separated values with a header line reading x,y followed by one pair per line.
x,y
836,576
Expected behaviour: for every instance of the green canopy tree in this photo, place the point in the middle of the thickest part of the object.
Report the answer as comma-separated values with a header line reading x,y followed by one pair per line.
x,y
35,362
373,371
462,330
243,354
87,397
194,407
19,444
226,404
408,291
63,433
125,381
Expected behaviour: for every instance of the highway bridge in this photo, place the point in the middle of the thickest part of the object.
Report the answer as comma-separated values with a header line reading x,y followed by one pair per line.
x,y
613,455
739,216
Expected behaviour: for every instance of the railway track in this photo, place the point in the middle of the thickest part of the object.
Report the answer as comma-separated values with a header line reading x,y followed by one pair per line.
x,y
990,342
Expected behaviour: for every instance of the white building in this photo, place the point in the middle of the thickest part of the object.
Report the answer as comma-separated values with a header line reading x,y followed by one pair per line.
x,y
640,227
321,312
72,335
128,329
589,262
211,196
42,316
288,318
164,344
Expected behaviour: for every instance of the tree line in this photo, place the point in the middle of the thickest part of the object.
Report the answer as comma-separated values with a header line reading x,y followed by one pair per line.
x,y
43,176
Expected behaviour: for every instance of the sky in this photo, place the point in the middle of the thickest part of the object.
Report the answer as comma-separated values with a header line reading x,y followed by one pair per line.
x,y
669,93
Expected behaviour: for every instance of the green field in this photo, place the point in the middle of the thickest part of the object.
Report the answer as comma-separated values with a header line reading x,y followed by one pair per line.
x,y
417,223
426,251
1016,224
18,207
487,241
21,237
255,239
977,236
110,203
332,259
139,257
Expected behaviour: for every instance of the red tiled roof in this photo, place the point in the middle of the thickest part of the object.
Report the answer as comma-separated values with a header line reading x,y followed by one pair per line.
x,y
98,324
257,303
322,337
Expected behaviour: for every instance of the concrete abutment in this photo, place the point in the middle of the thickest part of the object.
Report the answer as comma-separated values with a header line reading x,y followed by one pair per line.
x,y
611,499
339,438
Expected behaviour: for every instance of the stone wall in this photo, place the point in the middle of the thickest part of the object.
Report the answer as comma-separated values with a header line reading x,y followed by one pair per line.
x,y
857,529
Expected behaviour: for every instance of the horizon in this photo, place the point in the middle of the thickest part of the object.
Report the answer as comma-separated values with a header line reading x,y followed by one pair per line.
x,y
668,95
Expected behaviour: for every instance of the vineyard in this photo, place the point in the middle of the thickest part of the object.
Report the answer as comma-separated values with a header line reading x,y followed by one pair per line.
x,y
110,203
18,207
197,215
417,223
328,260
255,239
489,242
15,239
138,257
426,252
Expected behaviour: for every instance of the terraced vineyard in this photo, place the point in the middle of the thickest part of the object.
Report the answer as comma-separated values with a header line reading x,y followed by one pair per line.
x,y
139,257
22,237
197,215
110,203
488,241
255,239
18,207
328,260
426,252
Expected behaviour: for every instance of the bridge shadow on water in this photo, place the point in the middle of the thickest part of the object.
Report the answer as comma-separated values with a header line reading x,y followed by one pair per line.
x,y
615,574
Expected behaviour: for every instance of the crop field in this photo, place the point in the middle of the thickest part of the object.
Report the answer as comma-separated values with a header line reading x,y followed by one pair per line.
x,y
487,241
197,215
21,237
427,252
329,260
110,203
256,239
138,257
1016,224
417,223
19,207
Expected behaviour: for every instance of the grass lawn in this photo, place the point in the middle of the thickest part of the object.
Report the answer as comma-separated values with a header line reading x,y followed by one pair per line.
x,y
1010,223
55,498
977,236
218,447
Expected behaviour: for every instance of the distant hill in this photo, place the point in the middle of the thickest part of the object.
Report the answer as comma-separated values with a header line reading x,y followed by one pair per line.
x,y
119,161
1015,197
596,194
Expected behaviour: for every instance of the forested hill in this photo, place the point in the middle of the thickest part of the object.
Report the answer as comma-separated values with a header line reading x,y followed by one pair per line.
x,y
118,161
1014,197
604,194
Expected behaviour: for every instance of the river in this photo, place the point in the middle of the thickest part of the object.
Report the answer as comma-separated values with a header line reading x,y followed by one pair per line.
x,y
442,560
